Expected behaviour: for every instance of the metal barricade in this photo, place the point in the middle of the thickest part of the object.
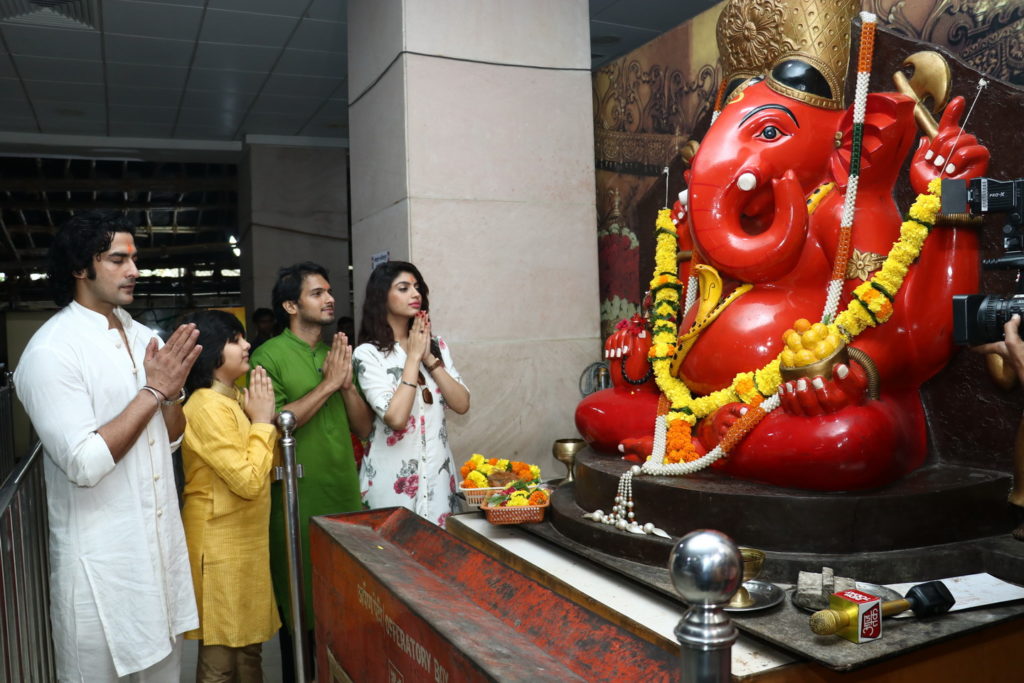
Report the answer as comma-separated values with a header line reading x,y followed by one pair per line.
x,y
26,648
288,473
7,455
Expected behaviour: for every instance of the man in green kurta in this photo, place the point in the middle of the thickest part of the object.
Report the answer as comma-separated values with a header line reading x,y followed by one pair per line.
x,y
315,382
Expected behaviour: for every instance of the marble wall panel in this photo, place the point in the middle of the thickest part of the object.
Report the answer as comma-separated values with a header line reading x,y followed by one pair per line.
x,y
378,148
480,131
532,31
385,230
304,189
508,270
523,397
375,37
276,248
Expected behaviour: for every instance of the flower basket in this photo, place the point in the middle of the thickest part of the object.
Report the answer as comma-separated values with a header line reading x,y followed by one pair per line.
x,y
476,496
514,514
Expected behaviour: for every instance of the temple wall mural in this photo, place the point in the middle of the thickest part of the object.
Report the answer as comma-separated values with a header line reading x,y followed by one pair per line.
x,y
651,103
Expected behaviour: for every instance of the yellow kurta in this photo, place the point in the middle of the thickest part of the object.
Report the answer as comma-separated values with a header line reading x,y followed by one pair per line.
x,y
227,464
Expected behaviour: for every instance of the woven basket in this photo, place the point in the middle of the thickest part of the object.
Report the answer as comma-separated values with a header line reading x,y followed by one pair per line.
x,y
514,514
476,496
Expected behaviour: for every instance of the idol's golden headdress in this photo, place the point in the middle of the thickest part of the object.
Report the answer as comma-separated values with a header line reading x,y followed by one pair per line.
x,y
802,47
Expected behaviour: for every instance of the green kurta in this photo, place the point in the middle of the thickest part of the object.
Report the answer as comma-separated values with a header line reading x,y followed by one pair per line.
x,y
324,448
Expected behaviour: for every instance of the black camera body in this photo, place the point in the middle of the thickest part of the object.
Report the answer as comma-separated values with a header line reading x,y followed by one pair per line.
x,y
979,318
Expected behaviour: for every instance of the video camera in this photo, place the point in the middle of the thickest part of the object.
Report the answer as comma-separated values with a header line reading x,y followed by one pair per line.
x,y
979,318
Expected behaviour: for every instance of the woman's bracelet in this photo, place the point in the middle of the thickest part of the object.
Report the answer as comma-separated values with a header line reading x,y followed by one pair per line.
x,y
408,384
436,364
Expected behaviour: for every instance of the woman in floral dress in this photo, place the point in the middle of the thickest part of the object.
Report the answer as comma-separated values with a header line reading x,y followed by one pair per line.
x,y
408,378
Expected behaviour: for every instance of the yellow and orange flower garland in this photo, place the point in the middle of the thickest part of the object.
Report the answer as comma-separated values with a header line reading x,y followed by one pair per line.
x,y
683,409
477,469
870,305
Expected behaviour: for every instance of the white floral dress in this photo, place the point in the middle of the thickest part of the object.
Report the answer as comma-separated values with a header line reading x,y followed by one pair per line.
x,y
413,467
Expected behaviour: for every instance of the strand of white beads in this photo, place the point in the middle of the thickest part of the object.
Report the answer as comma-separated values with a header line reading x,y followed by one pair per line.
x,y
622,516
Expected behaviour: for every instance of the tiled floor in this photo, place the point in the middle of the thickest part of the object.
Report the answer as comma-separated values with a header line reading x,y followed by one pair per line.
x,y
271,661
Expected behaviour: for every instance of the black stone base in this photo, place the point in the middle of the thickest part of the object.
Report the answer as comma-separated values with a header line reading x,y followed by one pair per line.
x,y
939,521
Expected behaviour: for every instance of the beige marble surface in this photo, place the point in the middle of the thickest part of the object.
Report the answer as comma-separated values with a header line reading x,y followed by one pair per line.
x,y
536,33
384,230
285,218
269,248
378,147
523,32
375,36
523,396
479,131
301,189
515,271
482,174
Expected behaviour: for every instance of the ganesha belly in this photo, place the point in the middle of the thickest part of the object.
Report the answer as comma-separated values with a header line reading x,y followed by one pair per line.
x,y
792,348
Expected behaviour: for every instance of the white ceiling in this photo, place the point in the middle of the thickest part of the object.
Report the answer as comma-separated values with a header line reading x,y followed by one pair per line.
x,y
216,70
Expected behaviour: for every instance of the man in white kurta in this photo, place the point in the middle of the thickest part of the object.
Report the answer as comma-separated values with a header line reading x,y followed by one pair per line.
x,y
100,391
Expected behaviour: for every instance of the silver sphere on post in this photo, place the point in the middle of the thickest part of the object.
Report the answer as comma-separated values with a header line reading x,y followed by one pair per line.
x,y
286,422
706,568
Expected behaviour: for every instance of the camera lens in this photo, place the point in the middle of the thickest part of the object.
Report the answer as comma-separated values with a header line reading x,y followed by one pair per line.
x,y
979,318
994,313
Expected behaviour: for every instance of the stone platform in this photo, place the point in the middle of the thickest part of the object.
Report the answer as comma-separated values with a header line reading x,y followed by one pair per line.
x,y
910,649
937,522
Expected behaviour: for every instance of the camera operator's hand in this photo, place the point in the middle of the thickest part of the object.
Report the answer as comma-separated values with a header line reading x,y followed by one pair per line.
x,y
952,153
1010,350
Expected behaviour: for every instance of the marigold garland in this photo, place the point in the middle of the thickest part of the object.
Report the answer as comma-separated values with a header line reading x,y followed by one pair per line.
x,y
744,386
871,304
679,443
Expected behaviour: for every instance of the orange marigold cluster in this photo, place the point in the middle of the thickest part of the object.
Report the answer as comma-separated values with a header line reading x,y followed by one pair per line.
x,y
480,472
522,471
539,497
678,443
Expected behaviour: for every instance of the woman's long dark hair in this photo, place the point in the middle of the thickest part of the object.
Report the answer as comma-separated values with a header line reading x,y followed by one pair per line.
x,y
216,328
374,328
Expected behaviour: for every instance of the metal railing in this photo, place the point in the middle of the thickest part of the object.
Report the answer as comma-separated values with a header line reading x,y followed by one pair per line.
x,y
26,647
8,457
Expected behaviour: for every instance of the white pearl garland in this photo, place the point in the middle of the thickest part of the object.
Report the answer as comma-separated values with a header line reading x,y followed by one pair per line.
x,y
658,449
622,516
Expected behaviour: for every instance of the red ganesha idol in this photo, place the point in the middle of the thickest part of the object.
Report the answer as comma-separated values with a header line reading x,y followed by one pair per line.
x,y
792,348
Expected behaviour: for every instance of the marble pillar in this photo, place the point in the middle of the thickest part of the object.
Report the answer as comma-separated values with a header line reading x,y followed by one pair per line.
x,y
293,206
471,134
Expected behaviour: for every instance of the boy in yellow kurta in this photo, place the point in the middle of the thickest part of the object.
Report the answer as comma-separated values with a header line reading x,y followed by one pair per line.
x,y
228,451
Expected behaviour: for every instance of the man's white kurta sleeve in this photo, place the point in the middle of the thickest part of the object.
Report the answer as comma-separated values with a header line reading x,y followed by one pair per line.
x,y
50,386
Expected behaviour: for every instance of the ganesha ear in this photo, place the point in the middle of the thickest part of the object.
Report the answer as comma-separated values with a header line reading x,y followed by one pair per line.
x,y
888,132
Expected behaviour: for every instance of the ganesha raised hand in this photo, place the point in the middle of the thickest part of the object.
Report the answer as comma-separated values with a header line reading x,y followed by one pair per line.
x,y
952,153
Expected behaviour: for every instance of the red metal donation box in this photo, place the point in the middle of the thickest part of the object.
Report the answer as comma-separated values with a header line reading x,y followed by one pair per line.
x,y
399,599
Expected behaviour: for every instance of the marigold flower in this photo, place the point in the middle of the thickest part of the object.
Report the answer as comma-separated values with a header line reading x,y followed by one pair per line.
x,y
477,479
518,498
538,497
